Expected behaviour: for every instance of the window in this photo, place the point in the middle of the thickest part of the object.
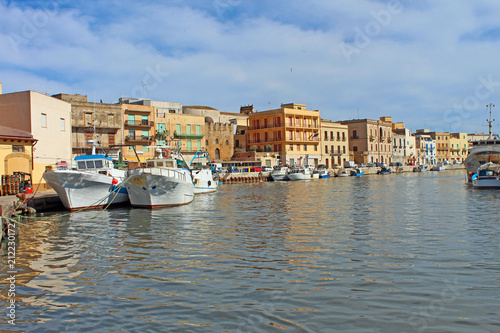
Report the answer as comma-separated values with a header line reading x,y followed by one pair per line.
x,y
343,149
18,149
144,120
111,139
338,135
198,129
61,124
131,119
298,147
188,145
326,149
291,147
315,148
188,129
198,145
171,111
227,142
178,129
216,141
305,147
44,120
355,148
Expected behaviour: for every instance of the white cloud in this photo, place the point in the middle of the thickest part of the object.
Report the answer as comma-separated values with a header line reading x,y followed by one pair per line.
x,y
413,65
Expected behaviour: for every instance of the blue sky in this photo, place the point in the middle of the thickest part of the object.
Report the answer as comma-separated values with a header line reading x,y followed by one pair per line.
x,y
429,64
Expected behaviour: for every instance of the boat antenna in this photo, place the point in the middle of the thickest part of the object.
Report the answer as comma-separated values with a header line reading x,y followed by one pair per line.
x,y
490,121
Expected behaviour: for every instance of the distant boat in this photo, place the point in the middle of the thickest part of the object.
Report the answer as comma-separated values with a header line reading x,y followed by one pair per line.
x,y
300,174
439,167
343,173
204,179
356,172
280,173
93,182
323,172
488,176
420,168
384,171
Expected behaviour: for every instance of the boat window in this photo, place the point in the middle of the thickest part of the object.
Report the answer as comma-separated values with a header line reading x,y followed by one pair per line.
x,y
169,164
81,165
90,164
151,164
98,164
159,163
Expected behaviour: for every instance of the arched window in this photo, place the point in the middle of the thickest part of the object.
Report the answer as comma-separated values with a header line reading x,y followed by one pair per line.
x,y
216,141
217,154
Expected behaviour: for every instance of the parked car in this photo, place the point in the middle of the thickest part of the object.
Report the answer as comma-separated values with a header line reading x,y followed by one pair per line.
x,y
381,165
233,169
267,168
258,169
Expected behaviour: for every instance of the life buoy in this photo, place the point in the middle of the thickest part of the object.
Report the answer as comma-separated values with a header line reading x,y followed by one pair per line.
x,y
114,181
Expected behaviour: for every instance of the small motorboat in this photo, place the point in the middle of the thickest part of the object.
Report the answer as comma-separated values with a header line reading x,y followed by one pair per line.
x,y
384,171
343,173
357,172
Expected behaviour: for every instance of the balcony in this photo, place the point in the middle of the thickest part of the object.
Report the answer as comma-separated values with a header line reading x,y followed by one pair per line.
x,y
354,137
142,123
335,153
139,139
137,111
188,136
372,137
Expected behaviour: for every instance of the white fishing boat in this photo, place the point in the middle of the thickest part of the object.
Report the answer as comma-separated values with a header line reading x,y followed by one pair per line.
x,y
487,176
420,168
343,173
439,167
280,173
204,179
91,182
483,151
163,182
300,174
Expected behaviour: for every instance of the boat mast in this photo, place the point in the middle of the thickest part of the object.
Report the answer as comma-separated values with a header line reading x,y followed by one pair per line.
x,y
490,121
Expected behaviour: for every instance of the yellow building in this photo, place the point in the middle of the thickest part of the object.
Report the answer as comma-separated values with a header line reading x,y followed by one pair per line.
x,y
370,141
290,132
442,145
190,130
16,151
334,143
139,132
459,143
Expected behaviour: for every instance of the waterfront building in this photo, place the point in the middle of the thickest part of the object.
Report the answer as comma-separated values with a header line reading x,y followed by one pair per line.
x,y
473,137
403,145
334,143
92,123
442,144
459,147
426,149
370,141
139,132
291,133
220,130
34,116
16,151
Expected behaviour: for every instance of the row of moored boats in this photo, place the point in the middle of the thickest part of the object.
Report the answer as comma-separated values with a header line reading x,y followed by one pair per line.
x,y
164,181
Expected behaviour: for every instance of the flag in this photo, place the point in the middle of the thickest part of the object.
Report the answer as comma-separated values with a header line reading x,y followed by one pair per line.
x,y
314,135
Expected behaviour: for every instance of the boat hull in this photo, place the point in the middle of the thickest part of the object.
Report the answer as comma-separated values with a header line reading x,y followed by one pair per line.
x,y
479,156
154,187
78,189
486,183
204,181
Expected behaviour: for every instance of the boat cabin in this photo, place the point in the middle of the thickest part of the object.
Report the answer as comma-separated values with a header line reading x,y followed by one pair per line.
x,y
161,163
93,162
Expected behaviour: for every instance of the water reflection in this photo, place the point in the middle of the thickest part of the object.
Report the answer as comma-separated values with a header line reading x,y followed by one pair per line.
x,y
351,254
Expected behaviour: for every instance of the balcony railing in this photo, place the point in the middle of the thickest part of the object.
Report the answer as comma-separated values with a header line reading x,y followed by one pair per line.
x,y
188,136
354,137
139,138
372,137
141,123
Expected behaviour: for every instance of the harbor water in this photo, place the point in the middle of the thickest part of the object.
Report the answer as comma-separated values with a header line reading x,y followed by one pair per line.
x,y
413,252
